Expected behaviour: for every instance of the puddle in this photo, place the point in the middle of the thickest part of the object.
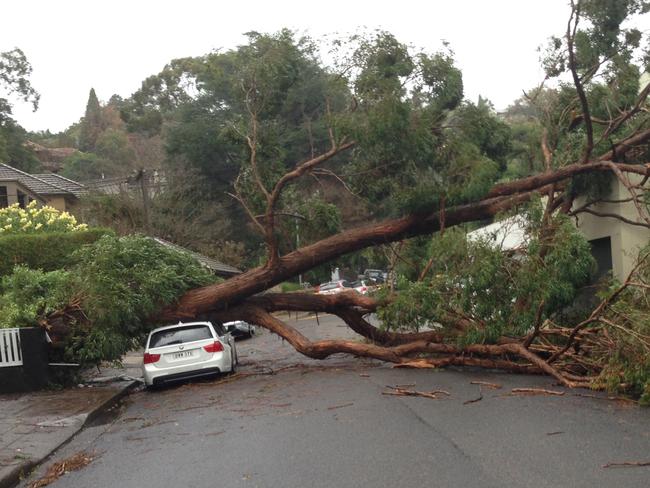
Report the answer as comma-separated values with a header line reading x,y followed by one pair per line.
x,y
108,415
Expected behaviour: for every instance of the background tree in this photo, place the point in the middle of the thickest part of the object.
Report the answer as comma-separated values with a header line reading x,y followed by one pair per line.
x,y
91,124
15,71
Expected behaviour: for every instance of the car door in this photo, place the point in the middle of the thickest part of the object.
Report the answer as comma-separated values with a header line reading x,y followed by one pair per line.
x,y
227,338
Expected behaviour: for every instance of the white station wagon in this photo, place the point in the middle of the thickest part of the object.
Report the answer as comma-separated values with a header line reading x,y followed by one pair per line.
x,y
187,350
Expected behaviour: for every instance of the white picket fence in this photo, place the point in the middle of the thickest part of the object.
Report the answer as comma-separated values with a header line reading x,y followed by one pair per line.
x,y
10,352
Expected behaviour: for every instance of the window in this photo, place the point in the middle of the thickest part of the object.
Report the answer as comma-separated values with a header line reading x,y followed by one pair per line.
x,y
601,250
4,200
22,199
180,335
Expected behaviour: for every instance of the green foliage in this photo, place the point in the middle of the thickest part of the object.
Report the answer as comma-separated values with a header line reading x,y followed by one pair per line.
x,y
26,295
500,293
15,71
86,166
113,145
124,281
289,286
321,219
628,328
594,186
478,124
130,278
97,344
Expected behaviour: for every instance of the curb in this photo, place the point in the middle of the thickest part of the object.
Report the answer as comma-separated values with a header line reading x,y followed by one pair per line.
x,y
20,471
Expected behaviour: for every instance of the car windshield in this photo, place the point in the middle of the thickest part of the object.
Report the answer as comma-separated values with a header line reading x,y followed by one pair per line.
x,y
180,335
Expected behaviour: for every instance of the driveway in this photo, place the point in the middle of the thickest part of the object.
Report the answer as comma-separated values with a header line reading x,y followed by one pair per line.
x,y
288,421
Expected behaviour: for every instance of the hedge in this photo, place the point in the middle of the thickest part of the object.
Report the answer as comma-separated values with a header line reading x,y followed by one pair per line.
x,y
47,250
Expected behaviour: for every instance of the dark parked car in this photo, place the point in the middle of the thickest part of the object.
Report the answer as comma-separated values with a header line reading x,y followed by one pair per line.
x,y
375,275
240,329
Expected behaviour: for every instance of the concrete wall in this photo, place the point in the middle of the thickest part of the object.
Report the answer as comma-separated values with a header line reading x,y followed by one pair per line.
x,y
626,239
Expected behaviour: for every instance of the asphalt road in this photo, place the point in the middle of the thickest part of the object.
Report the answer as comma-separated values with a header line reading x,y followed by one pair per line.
x,y
314,424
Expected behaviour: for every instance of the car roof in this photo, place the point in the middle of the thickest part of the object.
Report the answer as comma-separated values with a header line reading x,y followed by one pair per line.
x,y
181,324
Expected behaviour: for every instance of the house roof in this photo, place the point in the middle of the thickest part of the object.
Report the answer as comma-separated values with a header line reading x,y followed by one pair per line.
x,y
508,234
212,264
31,182
77,189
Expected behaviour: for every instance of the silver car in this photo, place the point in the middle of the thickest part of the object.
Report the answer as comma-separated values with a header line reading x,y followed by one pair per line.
x,y
187,350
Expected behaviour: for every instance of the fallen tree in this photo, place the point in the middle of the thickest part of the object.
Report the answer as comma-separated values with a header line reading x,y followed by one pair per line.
x,y
395,132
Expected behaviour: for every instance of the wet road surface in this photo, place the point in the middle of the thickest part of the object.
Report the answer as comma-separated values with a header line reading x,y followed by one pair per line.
x,y
288,421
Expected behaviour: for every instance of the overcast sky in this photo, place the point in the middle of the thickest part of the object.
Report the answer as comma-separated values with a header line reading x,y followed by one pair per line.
x,y
114,45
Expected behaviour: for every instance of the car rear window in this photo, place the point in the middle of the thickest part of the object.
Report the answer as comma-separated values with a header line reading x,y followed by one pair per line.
x,y
180,335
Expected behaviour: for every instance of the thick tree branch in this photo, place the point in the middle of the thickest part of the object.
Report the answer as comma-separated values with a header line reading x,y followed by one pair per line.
x,y
610,215
501,198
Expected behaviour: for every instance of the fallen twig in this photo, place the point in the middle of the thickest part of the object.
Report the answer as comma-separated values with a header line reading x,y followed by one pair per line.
x,y
56,470
480,397
610,398
493,386
627,464
334,407
398,391
537,391
416,364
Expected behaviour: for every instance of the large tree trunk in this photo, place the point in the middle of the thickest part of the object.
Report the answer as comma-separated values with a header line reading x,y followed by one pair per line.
x,y
502,197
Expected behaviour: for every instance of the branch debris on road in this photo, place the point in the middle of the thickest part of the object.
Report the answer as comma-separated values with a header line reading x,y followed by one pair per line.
x,y
401,391
492,386
477,399
536,391
55,471
627,464
334,407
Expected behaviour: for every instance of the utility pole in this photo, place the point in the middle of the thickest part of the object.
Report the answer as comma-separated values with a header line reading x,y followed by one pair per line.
x,y
145,200
298,244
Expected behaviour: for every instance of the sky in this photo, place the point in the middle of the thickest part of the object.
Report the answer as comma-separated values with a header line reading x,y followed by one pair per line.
x,y
114,45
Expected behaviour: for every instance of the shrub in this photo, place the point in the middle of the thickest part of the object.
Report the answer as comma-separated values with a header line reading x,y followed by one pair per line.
x,y
16,220
44,250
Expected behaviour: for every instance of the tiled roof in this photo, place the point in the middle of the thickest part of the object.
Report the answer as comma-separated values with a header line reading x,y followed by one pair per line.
x,y
31,182
77,189
212,264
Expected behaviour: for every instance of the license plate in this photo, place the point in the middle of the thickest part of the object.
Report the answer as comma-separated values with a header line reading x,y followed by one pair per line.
x,y
182,355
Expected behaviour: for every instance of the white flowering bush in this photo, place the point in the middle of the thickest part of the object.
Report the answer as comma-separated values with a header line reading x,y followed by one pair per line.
x,y
15,220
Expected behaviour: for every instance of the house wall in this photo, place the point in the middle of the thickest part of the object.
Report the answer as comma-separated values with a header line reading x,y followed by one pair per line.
x,y
12,191
56,201
626,239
